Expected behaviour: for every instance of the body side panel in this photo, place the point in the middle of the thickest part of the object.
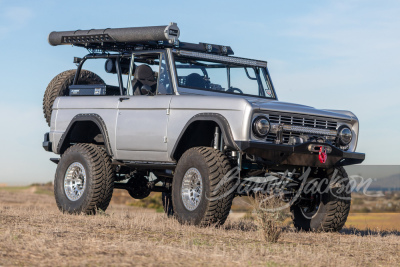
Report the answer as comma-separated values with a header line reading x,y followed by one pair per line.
x,y
68,107
142,126
184,108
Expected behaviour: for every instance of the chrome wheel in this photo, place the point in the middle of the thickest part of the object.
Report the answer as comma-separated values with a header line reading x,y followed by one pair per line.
x,y
75,181
309,213
192,188
310,208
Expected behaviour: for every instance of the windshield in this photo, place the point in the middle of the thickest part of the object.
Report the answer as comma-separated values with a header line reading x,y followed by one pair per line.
x,y
223,77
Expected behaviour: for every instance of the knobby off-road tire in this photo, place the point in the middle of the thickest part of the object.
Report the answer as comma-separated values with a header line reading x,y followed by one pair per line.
x,y
209,166
84,180
333,209
108,181
58,86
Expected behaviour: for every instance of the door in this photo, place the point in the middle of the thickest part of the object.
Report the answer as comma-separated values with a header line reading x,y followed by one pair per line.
x,y
142,118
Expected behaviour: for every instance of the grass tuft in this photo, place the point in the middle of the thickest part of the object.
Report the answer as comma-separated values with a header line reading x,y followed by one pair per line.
x,y
270,216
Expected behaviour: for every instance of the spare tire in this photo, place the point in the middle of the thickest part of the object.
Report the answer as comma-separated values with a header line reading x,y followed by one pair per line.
x,y
59,87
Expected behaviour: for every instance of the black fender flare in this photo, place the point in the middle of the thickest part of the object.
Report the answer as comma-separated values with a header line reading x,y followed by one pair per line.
x,y
93,117
220,120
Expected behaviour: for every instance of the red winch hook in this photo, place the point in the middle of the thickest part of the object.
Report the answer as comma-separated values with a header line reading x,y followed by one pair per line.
x,y
322,154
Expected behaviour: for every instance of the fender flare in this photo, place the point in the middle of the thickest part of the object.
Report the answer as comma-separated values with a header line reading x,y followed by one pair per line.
x,y
220,120
93,117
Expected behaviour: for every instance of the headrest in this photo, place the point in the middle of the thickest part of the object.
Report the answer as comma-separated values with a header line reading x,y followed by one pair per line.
x,y
145,75
195,80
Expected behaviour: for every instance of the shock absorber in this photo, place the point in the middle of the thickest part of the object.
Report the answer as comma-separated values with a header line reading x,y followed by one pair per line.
x,y
216,138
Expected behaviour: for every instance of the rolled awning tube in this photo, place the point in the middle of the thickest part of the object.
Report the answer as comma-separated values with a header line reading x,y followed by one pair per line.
x,y
169,33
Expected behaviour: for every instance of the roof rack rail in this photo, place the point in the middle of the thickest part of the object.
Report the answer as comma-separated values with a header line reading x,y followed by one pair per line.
x,y
130,39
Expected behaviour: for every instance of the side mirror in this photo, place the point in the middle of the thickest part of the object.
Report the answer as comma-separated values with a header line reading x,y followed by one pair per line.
x,y
110,66
146,90
77,60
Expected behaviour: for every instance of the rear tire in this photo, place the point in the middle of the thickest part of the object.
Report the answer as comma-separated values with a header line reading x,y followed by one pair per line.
x,y
331,208
58,86
200,196
84,180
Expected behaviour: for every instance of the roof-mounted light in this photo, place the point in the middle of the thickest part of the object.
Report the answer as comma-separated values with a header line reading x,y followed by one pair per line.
x,y
234,60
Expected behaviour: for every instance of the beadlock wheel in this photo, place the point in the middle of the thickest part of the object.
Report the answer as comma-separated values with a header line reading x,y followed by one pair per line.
x,y
192,188
309,212
75,181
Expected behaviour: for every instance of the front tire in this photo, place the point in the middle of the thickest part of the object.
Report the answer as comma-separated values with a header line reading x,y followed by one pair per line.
x,y
84,180
326,211
200,194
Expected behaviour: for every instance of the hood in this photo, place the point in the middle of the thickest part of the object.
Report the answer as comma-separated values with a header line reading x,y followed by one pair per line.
x,y
279,106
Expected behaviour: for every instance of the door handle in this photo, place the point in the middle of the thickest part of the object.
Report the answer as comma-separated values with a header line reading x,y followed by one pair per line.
x,y
123,98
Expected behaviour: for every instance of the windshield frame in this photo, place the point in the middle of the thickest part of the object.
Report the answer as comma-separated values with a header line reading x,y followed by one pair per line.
x,y
239,62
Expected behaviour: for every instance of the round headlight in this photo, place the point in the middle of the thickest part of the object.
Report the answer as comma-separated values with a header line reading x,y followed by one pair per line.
x,y
261,126
345,136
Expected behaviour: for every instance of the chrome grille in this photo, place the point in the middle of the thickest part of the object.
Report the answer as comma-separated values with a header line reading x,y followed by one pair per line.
x,y
304,121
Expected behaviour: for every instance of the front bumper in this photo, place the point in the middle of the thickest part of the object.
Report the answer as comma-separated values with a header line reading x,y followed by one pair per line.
x,y
299,155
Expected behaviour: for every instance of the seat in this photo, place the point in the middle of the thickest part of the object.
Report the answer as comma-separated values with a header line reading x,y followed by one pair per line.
x,y
144,75
195,80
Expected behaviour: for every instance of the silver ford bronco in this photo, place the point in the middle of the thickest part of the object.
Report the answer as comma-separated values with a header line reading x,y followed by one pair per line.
x,y
145,112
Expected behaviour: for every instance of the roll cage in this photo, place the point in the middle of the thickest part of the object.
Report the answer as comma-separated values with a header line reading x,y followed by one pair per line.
x,y
259,67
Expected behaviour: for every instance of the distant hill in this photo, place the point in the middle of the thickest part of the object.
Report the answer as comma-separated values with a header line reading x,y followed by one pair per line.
x,y
385,177
391,183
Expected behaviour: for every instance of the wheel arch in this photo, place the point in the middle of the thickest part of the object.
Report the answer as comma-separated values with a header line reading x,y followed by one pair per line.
x,y
85,128
204,120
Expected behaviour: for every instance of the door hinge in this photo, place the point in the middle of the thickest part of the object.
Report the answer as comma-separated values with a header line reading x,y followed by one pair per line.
x,y
165,139
167,111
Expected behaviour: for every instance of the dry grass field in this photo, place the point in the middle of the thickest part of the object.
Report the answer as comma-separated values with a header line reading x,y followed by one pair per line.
x,y
381,213
381,221
34,233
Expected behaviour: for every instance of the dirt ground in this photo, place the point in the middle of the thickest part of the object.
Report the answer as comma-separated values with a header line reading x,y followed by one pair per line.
x,y
33,232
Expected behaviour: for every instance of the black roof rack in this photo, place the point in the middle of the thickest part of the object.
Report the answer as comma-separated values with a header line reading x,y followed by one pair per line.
x,y
134,38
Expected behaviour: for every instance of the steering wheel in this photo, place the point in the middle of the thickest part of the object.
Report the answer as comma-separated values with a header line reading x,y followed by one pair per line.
x,y
234,90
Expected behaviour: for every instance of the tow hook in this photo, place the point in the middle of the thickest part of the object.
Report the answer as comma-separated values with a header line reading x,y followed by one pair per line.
x,y
322,154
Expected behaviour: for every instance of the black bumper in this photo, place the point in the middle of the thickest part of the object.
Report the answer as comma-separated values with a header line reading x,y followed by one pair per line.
x,y
46,143
299,155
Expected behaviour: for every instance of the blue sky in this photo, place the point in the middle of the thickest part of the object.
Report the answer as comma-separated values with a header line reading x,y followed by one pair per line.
x,y
326,54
